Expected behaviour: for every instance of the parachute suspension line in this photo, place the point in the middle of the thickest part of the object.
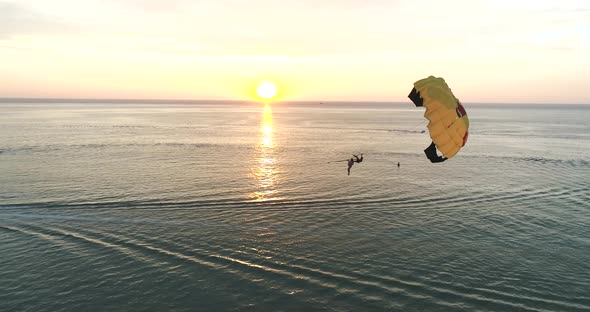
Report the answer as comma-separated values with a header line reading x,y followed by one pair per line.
x,y
333,161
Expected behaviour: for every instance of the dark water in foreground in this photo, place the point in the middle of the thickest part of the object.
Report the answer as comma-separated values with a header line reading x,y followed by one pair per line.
x,y
228,207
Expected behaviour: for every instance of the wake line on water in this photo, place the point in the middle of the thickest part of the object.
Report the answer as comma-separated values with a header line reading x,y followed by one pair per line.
x,y
399,130
426,198
211,224
451,201
394,157
573,162
422,286
340,283
202,258
58,147
82,218
302,273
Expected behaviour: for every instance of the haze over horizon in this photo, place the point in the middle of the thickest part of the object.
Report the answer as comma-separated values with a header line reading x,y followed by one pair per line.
x,y
353,50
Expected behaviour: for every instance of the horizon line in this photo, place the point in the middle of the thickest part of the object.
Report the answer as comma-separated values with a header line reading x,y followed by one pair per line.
x,y
68,100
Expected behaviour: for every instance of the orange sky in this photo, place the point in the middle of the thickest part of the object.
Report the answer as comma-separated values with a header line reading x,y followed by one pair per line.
x,y
488,51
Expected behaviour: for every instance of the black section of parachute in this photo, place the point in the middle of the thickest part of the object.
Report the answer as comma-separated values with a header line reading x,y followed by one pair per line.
x,y
431,154
430,151
415,97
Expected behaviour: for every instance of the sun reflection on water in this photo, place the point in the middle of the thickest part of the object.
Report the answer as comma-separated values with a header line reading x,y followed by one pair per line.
x,y
265,173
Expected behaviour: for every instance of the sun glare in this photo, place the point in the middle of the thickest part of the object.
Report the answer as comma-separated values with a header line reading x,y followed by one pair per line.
x,y
267,90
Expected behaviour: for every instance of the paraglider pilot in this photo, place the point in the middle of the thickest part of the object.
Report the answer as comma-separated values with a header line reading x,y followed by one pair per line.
x,y
350,163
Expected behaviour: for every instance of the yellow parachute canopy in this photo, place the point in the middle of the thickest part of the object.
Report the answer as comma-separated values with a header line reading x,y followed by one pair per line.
x,y
448,124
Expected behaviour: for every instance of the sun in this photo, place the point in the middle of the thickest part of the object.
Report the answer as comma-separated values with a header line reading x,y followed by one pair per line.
x,y
267,90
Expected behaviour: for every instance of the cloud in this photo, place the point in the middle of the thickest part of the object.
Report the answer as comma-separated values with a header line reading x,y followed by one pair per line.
x,y
177,5
19,20
152,5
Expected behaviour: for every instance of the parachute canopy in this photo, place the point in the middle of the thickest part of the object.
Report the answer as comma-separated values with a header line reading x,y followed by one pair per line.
x,y
448,124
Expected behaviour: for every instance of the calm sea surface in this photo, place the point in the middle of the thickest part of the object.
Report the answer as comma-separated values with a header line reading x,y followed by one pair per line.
x,y
234,207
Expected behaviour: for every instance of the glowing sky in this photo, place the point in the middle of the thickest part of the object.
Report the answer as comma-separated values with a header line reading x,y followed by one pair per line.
x,y
488,51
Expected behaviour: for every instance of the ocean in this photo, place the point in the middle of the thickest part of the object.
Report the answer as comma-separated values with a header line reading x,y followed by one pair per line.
x,y
238,206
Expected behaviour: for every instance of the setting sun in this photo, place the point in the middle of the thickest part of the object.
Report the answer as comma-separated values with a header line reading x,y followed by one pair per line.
x,y
267,90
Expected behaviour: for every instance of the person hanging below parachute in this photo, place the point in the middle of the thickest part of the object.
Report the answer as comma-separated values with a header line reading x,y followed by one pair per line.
x,y
357,159
350,161
448,122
